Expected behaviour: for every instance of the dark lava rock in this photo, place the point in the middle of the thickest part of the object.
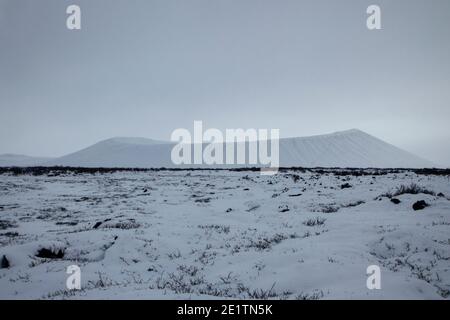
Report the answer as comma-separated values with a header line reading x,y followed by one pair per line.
x,y
395,201
66,223
419,205
4,263
97,225
346,186
46,253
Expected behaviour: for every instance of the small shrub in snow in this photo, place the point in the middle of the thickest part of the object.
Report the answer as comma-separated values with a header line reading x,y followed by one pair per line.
x,y
188,270
124,225
325,208
260,294
102,282
331,260
174,255
50,253
206,257
252,207
216,227
5,224
412,189
352,204
384,195
314,222
267,242
440,223
406,189
202,200
313,296
179,282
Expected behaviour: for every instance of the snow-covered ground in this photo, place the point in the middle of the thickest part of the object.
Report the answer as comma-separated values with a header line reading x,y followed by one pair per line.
x,y
219,234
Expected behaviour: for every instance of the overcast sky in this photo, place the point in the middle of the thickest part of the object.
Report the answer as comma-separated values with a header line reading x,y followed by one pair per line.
x,y
145,68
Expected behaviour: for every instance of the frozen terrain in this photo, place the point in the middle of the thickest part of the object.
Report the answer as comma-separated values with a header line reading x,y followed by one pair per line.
x,y
305,234
350,148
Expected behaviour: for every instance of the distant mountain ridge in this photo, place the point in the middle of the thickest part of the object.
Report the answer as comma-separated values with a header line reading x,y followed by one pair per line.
x,y
20,160
350,148
347,149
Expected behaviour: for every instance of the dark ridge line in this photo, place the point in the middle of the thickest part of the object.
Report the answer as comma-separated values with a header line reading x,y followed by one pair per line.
x,y
56,170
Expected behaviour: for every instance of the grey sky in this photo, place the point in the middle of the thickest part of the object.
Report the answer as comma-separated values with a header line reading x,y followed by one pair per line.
x,y
145,68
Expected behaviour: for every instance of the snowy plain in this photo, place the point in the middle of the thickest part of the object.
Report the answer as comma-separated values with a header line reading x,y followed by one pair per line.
x,y
308,234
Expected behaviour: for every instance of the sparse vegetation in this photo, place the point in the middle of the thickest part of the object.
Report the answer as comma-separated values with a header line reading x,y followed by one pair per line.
x,y
261,294
317,295
50,253
264,243
318,221
216,227
353,204
326,208
203,249
102,282
412,189
125,225
6,224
